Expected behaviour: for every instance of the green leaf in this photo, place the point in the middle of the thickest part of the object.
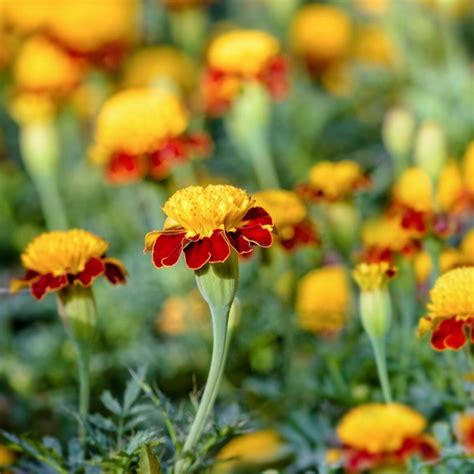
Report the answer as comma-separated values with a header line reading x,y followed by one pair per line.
x,y
133,389
111,403
149,464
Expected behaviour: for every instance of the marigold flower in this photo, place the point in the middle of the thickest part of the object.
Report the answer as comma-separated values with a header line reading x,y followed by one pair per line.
x,y
26,16
237,56
468,169
467,247
371,276
464,430
373,46
289,217
140,132
251,449
147,67
451,310
376,435
7,456
44,68
206,223
450,187
320,36
375,7
333,181
323,300
55,260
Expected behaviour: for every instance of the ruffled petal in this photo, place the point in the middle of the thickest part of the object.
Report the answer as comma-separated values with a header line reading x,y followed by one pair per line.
x,y
94,268
449,335
241,245
115,271
219,247
167,248
46,283
257,235
17,284
257,216
198,253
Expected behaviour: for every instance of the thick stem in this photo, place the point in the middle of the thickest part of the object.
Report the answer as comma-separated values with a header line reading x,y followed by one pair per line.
x,y
83,358
262,162
51,202
378,345
220,318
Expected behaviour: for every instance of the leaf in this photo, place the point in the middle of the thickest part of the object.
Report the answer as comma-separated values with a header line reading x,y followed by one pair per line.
x,y
133,389
149,463
111,403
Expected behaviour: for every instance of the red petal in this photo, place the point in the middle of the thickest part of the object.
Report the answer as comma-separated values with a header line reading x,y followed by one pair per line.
x,y
257,235
198,253
46,283
219,247
124,168
167,248
17,284
304,234
257,216
449,335
241,245
114,271
94,267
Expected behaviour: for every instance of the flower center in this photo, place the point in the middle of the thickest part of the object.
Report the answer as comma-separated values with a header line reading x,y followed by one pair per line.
x,y
200,210
61,252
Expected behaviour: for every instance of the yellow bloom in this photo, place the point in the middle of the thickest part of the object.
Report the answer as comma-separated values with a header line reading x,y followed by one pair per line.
x,y
321,35
423,266
200,210
453,295
450,258
285,207
252,449
7,456
380,428
385,233
464,430
333,181
62,252
43,67
467,247
373,46
26,16
450,186
414,190
323,300
468,168
151,66
29,107
243,52
374,7
138,121
370,276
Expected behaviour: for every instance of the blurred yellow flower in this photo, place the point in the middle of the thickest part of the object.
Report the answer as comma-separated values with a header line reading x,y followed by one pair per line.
x,y
26,16
423,266
320,35
44,68
374,7
7,456
468,169
250,450
450,186
373,46
242,52
464,430
371,276
152,66
467,247
414,190
323,300
27,107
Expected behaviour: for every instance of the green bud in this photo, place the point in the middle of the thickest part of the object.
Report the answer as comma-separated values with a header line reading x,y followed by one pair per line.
x,y
397,131
76,306
343,219
376,312
430,149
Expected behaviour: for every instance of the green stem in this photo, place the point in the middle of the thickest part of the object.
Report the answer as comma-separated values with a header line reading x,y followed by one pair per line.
x,y
378,344
83,358
51,201
262,162
220,318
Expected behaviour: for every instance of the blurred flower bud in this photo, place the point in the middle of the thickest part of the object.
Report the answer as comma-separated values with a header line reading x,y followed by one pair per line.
x,y
343,221
430,149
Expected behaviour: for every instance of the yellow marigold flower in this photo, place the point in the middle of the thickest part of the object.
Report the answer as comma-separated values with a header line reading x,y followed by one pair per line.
x,y
380,428
451,309
243,52
43,67
464,430
138,121
7,456
206,223
370,276
450,258
253,449
375,7
338,79
289,216
333,181
414,190
423,266
26,16
373,46
29,107
54,260
88,26
151,66
468,168
323,300
467,247
320,35
450,186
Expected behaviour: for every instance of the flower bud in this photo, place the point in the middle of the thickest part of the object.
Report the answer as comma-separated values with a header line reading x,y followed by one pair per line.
x,y
343,221
76,306
430,149
397,131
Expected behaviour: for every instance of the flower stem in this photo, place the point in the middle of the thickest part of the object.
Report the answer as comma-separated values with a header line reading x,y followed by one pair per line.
x,y
220,318
83,358
51,202
378,344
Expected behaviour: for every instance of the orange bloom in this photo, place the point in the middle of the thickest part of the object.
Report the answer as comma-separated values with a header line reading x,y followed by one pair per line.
x,y
55,260
464,430
207,223
238,56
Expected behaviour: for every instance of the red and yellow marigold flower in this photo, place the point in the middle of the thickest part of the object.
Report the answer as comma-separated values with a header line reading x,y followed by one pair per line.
x,y
375,435
464,430
323,300
451,310
293,228
55,260
238,56
333,181
321,36
207,223
141,133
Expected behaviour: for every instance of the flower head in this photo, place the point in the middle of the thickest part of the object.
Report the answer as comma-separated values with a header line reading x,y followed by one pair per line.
x,y
375,434
323,300
371,276
450,310
333,181
289,216
320,36
139,133
373,46
464,430
237,56
414,190
206,223
55,260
